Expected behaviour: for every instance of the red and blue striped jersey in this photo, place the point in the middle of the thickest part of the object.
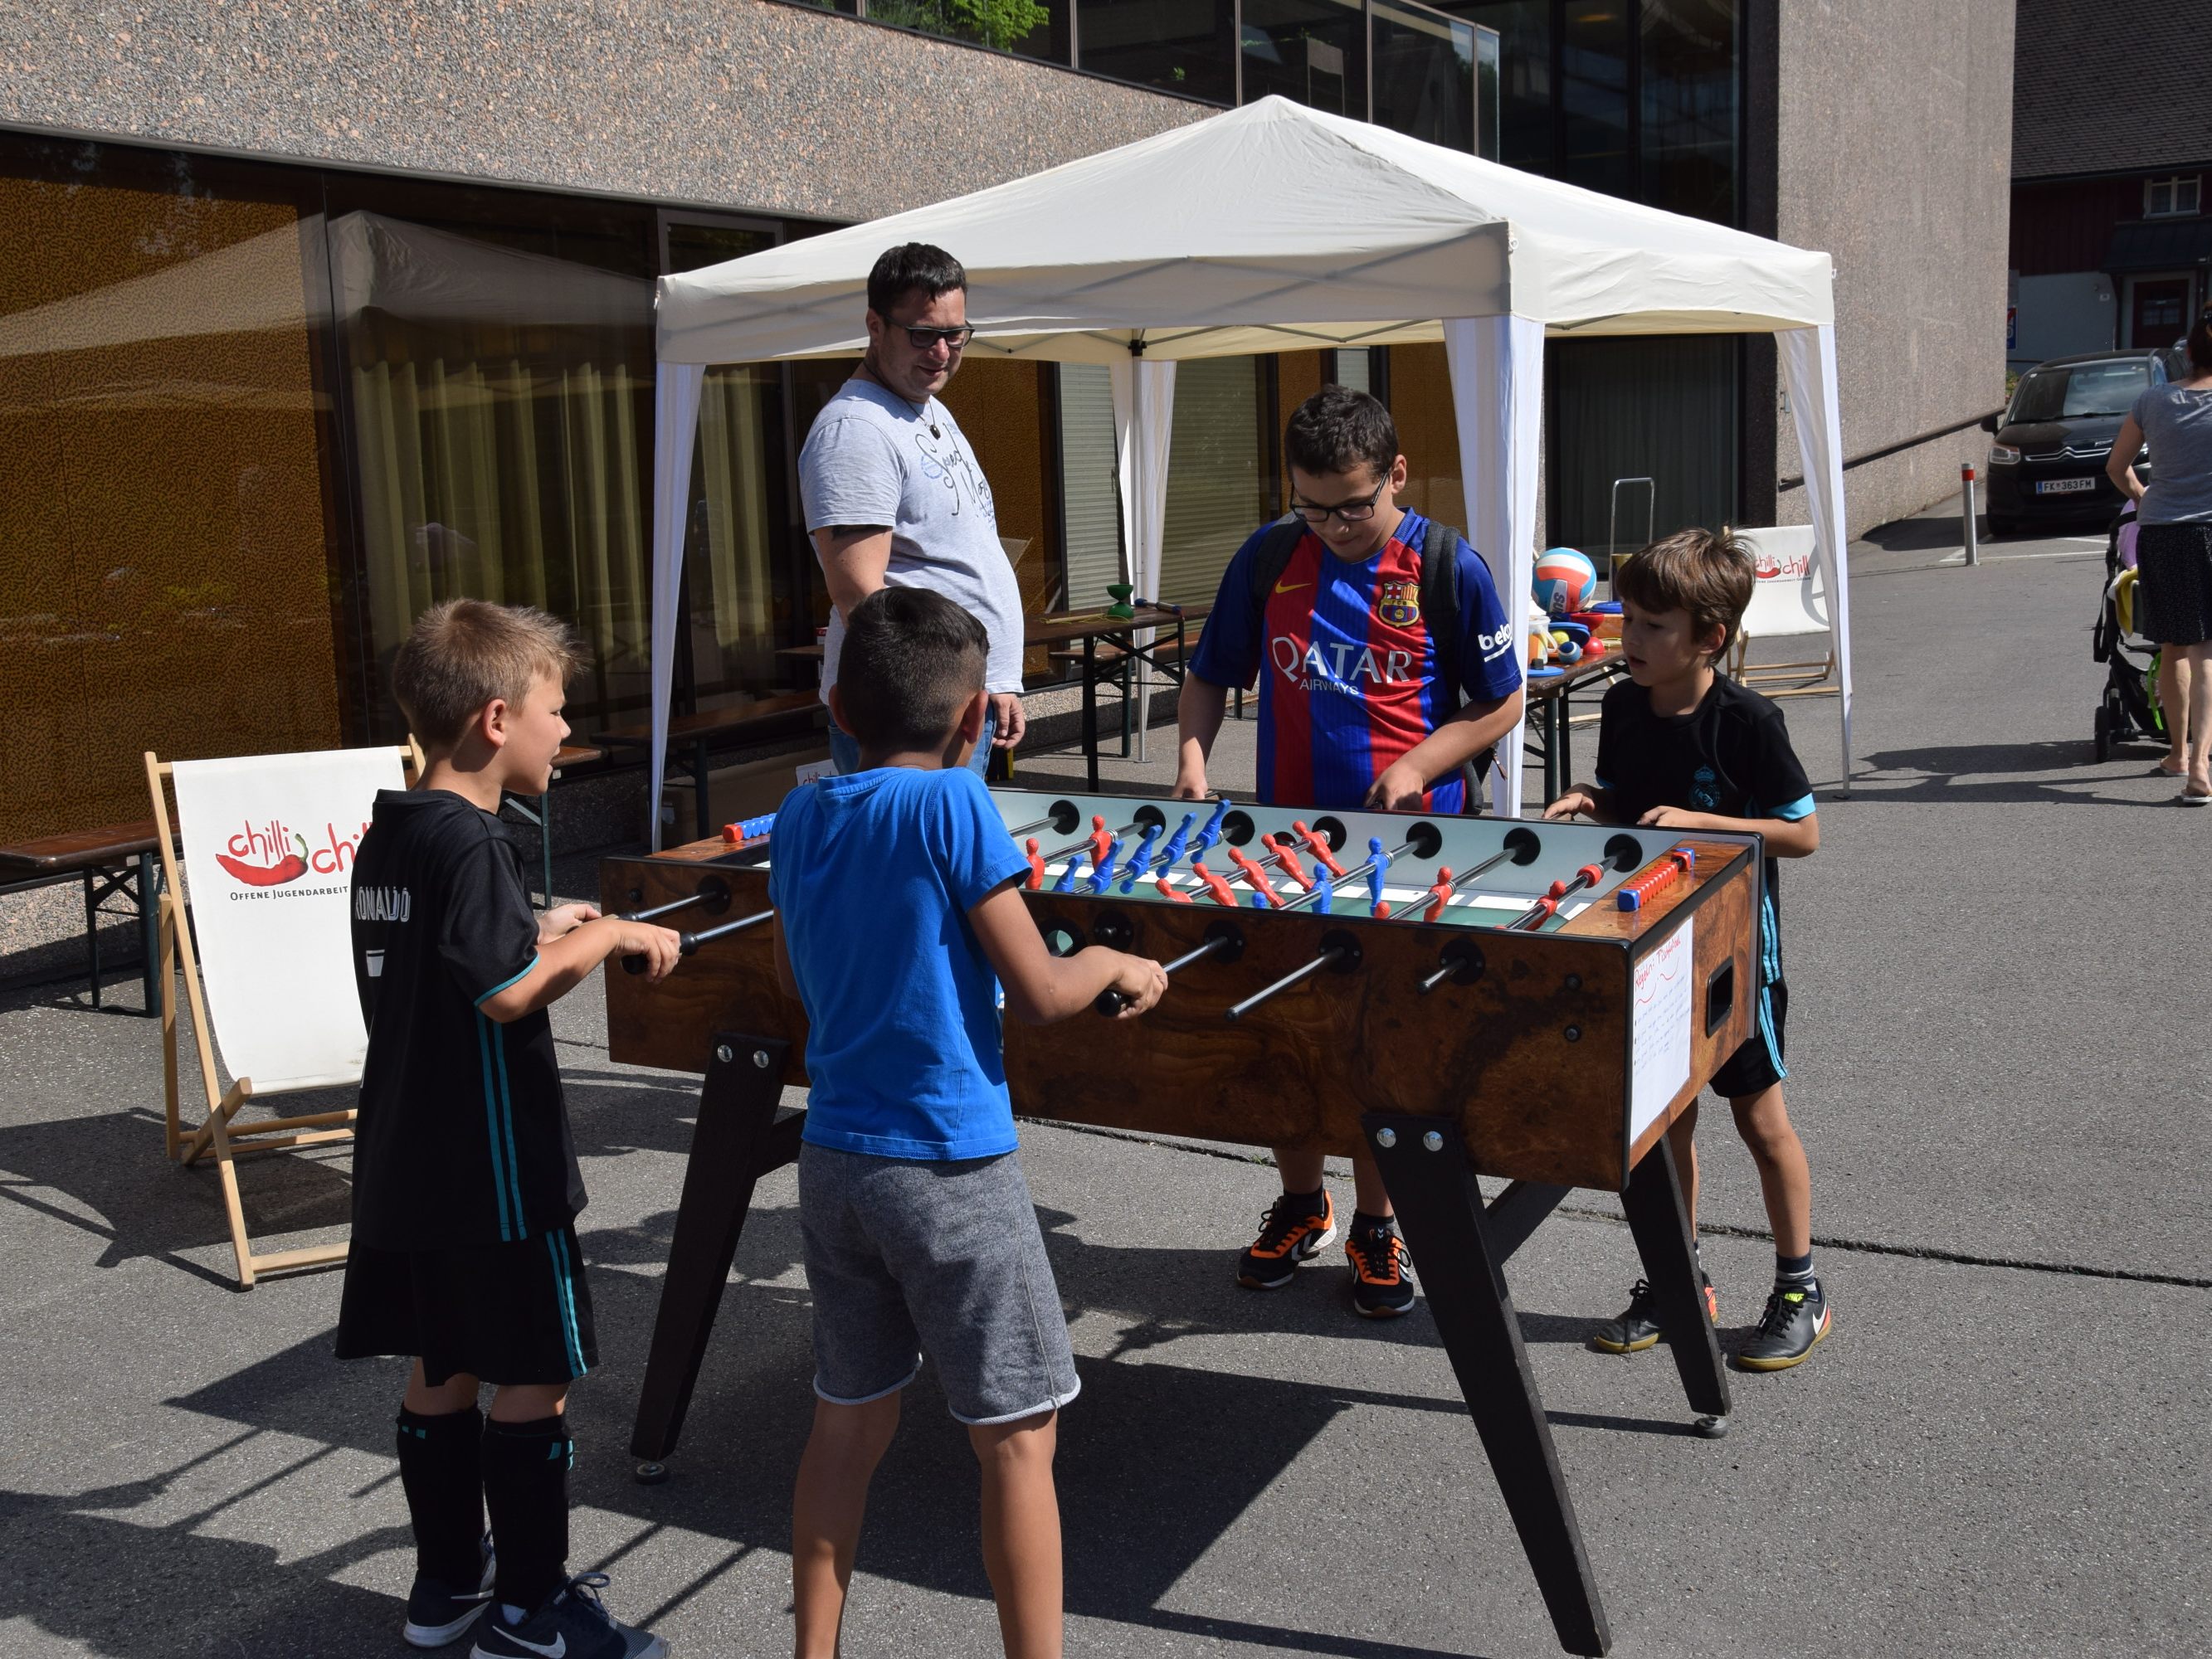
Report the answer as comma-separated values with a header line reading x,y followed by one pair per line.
x,y
1346,664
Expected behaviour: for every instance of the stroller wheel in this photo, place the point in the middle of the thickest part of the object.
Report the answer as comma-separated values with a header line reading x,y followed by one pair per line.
x,y
2104,733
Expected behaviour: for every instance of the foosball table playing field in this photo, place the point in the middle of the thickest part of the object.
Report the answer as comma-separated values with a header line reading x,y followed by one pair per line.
x,y
1465,996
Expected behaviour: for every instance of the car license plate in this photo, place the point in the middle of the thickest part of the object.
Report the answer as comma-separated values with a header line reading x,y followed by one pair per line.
x,y
2064,486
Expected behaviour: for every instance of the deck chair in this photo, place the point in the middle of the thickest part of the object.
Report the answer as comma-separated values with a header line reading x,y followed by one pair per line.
x,y
265,951
1791,599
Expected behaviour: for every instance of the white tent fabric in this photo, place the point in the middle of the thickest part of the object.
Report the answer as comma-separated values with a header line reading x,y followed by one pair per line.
x,y
1275,228
677,389
1808,370
1497,397
1144,424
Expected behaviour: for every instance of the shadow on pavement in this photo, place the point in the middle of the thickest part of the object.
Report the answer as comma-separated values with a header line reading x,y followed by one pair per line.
x,y
1978,772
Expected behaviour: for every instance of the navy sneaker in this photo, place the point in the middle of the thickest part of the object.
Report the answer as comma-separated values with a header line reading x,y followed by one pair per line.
x,y
439,1613
1381,1287
1292,1231
572,1624
1638,1327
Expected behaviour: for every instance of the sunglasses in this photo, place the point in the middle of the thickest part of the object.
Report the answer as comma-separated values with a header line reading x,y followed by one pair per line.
x,y
953,338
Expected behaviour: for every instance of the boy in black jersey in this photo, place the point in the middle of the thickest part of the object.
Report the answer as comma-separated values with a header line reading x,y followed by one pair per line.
x,y
1680,747
466,1184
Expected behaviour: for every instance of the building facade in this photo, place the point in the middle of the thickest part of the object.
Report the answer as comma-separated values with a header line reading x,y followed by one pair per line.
x,y
2112,243
312,316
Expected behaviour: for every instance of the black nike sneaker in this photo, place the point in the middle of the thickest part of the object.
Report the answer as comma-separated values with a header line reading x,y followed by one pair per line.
x,y
572,1624
1798,1320
439,1613
1292,1232
1381,1287
1638,1327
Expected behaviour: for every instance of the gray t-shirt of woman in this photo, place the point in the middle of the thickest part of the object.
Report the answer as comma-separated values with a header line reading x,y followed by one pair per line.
x,y
2178,426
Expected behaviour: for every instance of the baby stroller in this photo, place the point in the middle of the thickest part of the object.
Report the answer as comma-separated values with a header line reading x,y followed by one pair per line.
x,y
2128,712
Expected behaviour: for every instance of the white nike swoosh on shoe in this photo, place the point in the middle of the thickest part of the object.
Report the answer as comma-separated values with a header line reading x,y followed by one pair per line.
x,y
560,1645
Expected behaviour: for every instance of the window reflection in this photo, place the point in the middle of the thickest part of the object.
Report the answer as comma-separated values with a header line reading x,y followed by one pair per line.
x,y
1424,66
1180,45
1593,96
1689,107
1516,101
1310,51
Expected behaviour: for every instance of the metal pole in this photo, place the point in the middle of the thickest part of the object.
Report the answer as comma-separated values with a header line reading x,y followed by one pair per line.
x,y
1966,512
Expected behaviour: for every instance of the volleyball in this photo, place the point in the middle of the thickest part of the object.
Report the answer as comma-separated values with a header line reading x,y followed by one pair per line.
x,y
1565,582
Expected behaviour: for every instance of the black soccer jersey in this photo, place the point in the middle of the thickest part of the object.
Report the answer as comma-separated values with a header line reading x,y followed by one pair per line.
x,y
462,1137
1729,756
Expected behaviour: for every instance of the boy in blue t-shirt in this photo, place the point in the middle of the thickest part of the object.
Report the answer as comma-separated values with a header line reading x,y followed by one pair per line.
x,y
900,917
1360,706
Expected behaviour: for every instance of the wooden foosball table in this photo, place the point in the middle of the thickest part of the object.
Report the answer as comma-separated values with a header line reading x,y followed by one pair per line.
x,y
1464,996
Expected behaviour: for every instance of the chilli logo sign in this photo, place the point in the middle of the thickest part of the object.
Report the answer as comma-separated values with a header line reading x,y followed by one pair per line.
x,y
270,855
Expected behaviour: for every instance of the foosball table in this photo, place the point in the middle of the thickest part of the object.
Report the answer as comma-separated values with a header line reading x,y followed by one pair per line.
x,y
1464,996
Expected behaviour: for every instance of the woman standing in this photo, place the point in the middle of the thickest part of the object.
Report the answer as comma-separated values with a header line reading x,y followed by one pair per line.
x,y
2173,549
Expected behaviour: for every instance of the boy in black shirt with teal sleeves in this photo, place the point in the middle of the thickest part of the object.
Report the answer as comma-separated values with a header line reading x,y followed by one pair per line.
x,y
466,1183
1681,747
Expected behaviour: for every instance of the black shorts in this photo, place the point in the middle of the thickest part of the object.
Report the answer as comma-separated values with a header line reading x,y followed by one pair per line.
x,y
501,1313
1757,1066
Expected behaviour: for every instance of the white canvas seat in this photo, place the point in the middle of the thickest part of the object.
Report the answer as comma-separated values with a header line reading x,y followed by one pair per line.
x,y
265,951
1791,599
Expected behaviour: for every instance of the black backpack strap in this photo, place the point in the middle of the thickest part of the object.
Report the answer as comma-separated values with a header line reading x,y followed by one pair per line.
x,y
1440,607
1272,557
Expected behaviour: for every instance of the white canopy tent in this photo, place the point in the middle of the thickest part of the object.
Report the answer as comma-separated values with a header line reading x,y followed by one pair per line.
x,y
1275,228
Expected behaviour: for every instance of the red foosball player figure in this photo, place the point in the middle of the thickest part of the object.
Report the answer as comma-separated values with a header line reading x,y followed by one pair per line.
x,y
1365,625
1681,747
896,890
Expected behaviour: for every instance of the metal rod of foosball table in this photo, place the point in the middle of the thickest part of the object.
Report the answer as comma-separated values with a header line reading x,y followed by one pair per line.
x,y
1339,951
1222,938
688,943
1521,845
1620,854
711,891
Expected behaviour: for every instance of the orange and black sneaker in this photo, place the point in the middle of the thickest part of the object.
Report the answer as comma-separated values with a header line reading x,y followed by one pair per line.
x,y
1638,1327
1295,1229
1382,1271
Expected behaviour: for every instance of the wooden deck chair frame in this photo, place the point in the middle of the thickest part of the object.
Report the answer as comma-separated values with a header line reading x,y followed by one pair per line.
x,y
214,1133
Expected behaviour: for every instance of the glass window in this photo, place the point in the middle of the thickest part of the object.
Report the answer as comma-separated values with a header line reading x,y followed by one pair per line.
x,y
499,399
1180,45
1593,96
1659,407
1310,51
1424,74
1515,49
2065,394
1002,23
1688,143
1090,484
1217,484
165,582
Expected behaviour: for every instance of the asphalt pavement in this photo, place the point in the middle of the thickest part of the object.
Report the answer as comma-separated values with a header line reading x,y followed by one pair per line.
x,y
1998,1068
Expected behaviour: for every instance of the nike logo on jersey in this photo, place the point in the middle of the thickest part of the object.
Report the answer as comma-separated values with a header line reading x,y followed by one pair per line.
x,y
1291,588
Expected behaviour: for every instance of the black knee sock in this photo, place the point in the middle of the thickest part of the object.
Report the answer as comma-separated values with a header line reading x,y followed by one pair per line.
x,y
525,1487
439,1472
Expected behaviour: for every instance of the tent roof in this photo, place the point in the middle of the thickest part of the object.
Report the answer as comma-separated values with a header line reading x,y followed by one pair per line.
x,y
1272,228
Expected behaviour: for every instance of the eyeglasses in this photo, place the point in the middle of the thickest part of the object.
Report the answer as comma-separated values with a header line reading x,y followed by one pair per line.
x,y
1349,511
954,338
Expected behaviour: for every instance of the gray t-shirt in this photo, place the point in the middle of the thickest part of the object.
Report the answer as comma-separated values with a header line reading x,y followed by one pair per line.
x,y
2178,426
872,459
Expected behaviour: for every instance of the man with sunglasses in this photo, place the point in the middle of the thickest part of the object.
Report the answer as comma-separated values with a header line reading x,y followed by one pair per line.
x,y
1385,664
892,492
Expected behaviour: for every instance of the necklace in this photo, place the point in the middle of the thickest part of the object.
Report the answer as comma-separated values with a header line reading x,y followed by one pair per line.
x,y
920,409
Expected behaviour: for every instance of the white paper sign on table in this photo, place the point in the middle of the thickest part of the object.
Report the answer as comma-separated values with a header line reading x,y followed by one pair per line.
x,y
1661,1054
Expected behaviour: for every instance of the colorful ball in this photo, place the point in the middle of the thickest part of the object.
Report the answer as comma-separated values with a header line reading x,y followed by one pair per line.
x,y
1565,581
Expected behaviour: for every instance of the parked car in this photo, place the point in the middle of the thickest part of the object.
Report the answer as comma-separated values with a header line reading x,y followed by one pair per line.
x,y
2047,464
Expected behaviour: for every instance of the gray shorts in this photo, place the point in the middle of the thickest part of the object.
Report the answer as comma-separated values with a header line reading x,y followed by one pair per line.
x,y
907,1257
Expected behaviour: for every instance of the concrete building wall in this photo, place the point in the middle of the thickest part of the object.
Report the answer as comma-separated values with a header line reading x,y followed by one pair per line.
x,y
1894,149
725,103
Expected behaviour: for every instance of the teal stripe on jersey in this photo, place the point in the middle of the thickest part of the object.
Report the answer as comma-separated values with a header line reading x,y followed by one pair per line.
x,y
491,1126
506,1126
564,1293
512,980
1800,808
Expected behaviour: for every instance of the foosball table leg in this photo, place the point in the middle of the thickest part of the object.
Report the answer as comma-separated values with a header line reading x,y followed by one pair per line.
x,y
734,1144
1660,1224
1439,1208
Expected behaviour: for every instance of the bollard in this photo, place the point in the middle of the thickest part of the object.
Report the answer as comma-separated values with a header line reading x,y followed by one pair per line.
x,y
1966,511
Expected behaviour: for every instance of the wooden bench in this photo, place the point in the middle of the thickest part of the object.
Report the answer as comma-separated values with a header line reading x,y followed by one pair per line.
x,y
114,860
692,737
